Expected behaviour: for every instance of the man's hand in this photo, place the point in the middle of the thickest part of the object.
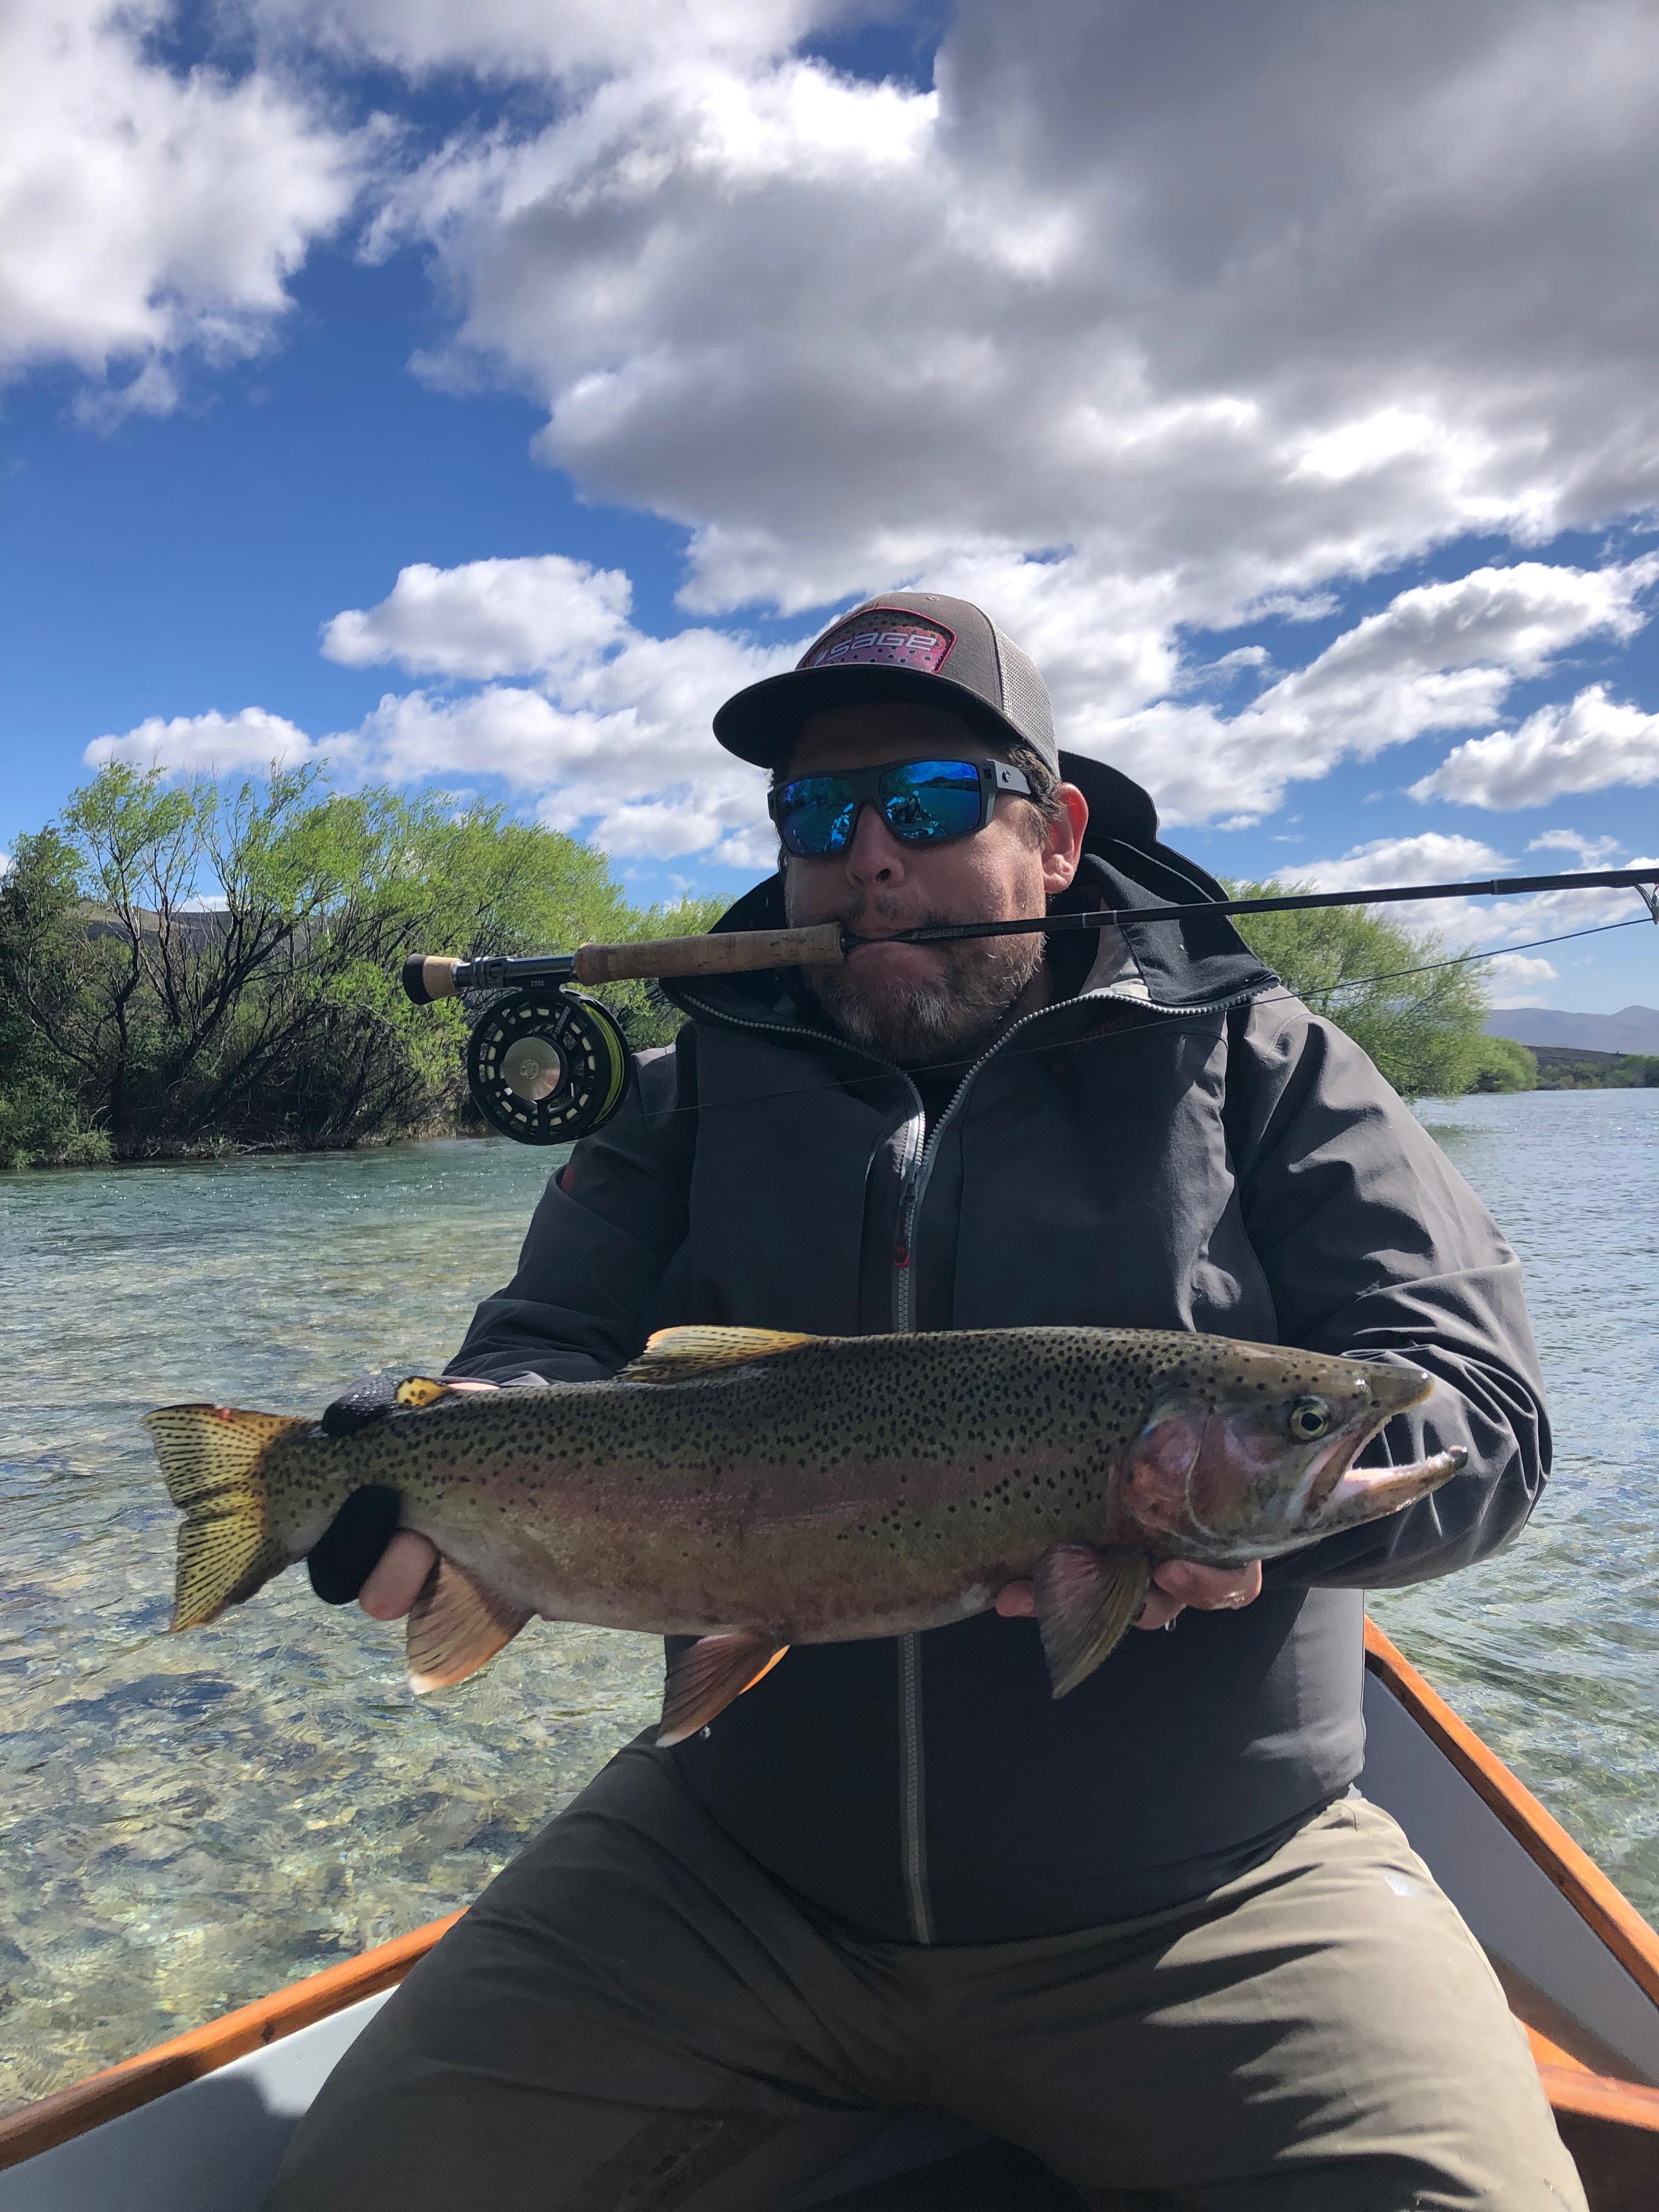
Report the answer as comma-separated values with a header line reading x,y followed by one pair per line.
x,y
1176,1584
362,1553
400,1574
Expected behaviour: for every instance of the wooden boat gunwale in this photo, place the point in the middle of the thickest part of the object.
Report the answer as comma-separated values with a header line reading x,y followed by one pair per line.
x,y
1605,2116
1593,1896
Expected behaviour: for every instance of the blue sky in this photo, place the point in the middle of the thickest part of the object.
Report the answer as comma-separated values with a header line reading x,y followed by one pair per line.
x,y
586,360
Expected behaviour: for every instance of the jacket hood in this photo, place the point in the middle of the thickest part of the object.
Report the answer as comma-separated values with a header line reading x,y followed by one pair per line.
x,y
1125,865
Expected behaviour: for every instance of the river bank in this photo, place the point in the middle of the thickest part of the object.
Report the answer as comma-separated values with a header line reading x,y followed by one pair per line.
x,y
186,1823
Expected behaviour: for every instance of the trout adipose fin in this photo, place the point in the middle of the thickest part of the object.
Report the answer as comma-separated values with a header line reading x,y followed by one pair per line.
x,y
704,1678
455,1626
1087,1598
675,1355
210,1459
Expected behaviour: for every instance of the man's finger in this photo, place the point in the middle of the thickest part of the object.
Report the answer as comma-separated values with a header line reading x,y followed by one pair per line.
x,y
398,1576
1209,1589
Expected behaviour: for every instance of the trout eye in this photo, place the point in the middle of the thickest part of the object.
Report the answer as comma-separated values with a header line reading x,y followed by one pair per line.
x,y
1310,1418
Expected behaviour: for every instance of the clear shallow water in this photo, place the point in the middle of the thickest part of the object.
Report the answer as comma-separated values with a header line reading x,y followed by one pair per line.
x,y
1551,1650
188,1823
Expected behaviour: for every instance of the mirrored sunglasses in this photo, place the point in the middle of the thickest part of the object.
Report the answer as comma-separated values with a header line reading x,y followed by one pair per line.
x,y
922,802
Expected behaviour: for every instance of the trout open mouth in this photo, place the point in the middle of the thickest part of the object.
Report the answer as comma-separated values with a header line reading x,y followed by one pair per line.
x,y
1366,1493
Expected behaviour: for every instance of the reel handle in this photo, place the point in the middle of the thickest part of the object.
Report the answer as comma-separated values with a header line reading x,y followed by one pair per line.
x,y
429,975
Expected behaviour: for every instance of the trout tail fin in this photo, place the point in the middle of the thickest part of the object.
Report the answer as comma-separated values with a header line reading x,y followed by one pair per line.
x,y
211,1459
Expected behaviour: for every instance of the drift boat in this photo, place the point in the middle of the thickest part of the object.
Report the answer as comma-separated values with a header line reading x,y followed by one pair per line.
x,y
200,2124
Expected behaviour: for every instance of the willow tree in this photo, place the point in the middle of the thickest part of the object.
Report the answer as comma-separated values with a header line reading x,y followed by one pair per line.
x,y
1418,1012
184,965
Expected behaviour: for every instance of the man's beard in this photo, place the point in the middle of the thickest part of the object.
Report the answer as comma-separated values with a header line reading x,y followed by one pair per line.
x,y
944,1020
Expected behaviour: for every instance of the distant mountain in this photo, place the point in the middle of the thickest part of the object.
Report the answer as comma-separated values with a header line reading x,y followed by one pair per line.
x,y
1632,1028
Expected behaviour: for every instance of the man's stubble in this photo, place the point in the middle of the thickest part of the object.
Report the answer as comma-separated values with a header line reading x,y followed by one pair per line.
x,y
945,1020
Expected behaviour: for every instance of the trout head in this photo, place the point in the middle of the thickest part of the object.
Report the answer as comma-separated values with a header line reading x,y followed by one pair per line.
x,y
1249,1452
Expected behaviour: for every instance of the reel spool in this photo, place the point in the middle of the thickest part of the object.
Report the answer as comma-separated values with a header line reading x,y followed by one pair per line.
x,y
546,1066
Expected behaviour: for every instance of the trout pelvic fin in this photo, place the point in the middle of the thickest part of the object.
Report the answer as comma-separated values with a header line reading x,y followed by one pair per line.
x,y
1087,1598
675,1355
706,1676
211,1460
455,1626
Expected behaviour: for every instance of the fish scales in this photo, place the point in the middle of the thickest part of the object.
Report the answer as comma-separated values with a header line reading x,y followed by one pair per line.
x,y
757,1489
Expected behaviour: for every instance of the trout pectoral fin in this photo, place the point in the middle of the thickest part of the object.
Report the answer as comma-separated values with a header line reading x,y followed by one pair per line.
x,y
704,1678
1087,1597
455,1626
675,1355
212,1459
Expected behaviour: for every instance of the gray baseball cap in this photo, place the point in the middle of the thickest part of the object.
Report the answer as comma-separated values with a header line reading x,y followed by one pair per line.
x,y
925,645
904,645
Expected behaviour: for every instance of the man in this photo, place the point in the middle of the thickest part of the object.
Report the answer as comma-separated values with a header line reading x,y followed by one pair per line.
x,y
1148,1931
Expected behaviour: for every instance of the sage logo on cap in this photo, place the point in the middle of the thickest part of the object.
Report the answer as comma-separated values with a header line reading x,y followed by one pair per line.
x,y
883,639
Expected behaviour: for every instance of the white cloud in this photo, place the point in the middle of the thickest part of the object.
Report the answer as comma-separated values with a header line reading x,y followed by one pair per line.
x,y
1588,743
488,618
1300,297
144,212
246,744
614,743
1432,856
613,733
1520,969
1439,656
574,39
1593,851
1122,332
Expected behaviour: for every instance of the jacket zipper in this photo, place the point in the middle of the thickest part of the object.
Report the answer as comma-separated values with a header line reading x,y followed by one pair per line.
x,y
913,1773
915,1172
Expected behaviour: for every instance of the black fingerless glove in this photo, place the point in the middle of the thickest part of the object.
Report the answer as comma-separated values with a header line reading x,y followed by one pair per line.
x,y
348,1550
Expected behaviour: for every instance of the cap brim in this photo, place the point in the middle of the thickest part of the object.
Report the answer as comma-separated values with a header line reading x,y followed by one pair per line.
x,y
762,723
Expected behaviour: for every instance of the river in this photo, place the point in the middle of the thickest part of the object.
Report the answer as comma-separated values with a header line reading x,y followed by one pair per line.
x,y
186,1824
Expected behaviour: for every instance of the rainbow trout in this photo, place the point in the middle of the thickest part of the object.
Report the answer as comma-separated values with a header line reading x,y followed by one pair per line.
x,y
754,1490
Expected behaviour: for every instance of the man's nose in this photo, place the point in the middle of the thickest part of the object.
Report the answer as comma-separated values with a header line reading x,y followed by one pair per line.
x,y
874,853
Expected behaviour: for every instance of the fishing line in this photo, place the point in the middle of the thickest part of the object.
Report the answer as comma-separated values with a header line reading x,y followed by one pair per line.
x,y
1137,1027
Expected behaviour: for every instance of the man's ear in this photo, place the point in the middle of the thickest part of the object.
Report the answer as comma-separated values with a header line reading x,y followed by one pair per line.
x,y
1062,839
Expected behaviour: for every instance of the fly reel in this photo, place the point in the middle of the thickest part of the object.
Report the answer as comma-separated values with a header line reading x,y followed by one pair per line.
x,y
547,1065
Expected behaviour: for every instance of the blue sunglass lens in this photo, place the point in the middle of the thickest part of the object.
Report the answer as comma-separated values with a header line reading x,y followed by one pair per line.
x,y
919,800
816,814
931,798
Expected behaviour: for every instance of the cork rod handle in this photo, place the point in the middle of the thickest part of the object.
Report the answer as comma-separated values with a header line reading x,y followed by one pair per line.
x,y
731,953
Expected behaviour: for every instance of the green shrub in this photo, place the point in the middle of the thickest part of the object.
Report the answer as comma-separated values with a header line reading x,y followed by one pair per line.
x,y
1504,1064
1419,1017
185,967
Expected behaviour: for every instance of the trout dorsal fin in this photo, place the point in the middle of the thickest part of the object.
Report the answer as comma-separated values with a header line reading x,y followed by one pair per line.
x,y
675,1355
418,1391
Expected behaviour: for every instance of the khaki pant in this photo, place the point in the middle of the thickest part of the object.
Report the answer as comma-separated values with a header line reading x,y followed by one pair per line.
x,y
634,2018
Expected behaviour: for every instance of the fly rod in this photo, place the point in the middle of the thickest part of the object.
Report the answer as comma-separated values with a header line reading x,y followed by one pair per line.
x,y
548,1063
426,976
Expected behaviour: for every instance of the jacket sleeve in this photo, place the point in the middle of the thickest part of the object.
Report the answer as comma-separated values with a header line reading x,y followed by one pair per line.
x,y
1375,1248
599,1242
